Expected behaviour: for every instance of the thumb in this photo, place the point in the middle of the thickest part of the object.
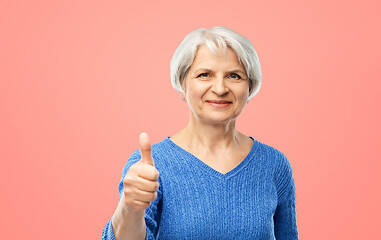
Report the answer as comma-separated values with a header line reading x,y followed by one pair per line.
x,y
145,149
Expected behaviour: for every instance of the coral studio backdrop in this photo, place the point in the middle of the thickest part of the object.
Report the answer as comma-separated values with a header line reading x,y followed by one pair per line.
x,y
81,79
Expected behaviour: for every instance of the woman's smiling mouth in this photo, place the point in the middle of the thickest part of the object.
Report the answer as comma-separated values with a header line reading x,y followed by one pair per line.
x,y
219,103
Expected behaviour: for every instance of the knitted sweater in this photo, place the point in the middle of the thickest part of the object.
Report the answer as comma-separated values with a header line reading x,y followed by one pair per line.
x,y
255,200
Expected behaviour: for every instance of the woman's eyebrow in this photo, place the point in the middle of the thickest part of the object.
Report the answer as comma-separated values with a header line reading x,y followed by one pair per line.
x,y
202,70
209,70
237,71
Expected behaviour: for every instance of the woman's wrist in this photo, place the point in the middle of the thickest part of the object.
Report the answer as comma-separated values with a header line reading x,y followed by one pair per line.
x,y
128,223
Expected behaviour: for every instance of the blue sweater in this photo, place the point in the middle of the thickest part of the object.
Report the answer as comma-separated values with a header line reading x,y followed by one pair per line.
x,y
255,200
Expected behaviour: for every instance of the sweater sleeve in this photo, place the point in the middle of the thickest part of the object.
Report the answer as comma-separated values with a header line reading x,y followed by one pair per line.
x,y
151,212
285,215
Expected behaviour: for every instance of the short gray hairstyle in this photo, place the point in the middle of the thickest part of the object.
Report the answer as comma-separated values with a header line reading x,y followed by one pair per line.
x,y
215,38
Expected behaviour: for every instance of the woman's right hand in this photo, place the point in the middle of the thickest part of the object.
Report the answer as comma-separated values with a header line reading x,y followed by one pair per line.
x,y
140,189
141,181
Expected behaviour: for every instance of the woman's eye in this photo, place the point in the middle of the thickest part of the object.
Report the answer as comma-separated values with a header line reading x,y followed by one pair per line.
x,y
203,75
234,76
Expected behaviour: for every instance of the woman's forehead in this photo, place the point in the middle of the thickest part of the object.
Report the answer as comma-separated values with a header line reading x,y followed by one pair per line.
x,y
205,59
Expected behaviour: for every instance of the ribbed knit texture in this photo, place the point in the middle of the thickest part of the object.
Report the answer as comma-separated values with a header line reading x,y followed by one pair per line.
x,y
255,200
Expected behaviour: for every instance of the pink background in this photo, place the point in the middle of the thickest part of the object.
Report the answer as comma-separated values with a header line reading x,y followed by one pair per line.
x,y
81,79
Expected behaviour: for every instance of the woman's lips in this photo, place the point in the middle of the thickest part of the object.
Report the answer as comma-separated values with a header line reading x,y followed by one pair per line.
x,y
218,103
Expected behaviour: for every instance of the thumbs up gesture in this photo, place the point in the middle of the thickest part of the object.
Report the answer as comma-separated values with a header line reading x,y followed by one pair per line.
x,y
141,181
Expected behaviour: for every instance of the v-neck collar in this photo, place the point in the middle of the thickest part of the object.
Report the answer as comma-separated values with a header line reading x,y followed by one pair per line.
x,y
197,162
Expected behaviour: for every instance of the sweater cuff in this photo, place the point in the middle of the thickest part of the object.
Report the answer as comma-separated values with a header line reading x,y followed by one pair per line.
x,y
108,233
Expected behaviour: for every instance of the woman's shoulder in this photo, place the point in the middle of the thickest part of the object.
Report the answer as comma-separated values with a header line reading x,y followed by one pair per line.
x,y
267,149
282,169
274,155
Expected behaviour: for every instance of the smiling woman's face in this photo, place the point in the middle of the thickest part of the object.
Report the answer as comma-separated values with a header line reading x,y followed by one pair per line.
x,y
216,87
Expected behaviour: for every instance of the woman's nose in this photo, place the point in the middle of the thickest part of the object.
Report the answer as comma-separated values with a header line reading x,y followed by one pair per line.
x,y
219,86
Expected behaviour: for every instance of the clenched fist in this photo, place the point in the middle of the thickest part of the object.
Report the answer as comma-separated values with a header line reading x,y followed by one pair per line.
x,y
141,181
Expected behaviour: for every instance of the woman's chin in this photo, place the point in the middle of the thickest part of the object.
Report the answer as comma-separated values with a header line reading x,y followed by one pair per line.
x,y
217,120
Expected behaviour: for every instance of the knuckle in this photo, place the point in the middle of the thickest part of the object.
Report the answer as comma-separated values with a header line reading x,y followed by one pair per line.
x,y
128,180
127,191
133,167
154,196
129,202
153,186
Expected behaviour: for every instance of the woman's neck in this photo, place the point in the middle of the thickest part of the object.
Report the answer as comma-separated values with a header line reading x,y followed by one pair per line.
x,y
198,134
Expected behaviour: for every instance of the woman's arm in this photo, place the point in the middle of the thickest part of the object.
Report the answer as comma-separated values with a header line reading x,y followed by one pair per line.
x,y
285,227
285,215
138,189
130,219
130,224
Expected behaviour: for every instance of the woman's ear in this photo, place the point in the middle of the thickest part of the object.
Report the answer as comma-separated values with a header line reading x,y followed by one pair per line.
x,y
184,93
182,96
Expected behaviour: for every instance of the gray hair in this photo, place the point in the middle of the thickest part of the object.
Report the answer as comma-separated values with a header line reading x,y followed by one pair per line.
x,y
215,38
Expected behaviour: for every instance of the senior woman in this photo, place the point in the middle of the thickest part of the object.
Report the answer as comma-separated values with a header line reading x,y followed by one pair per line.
x,y
208,181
